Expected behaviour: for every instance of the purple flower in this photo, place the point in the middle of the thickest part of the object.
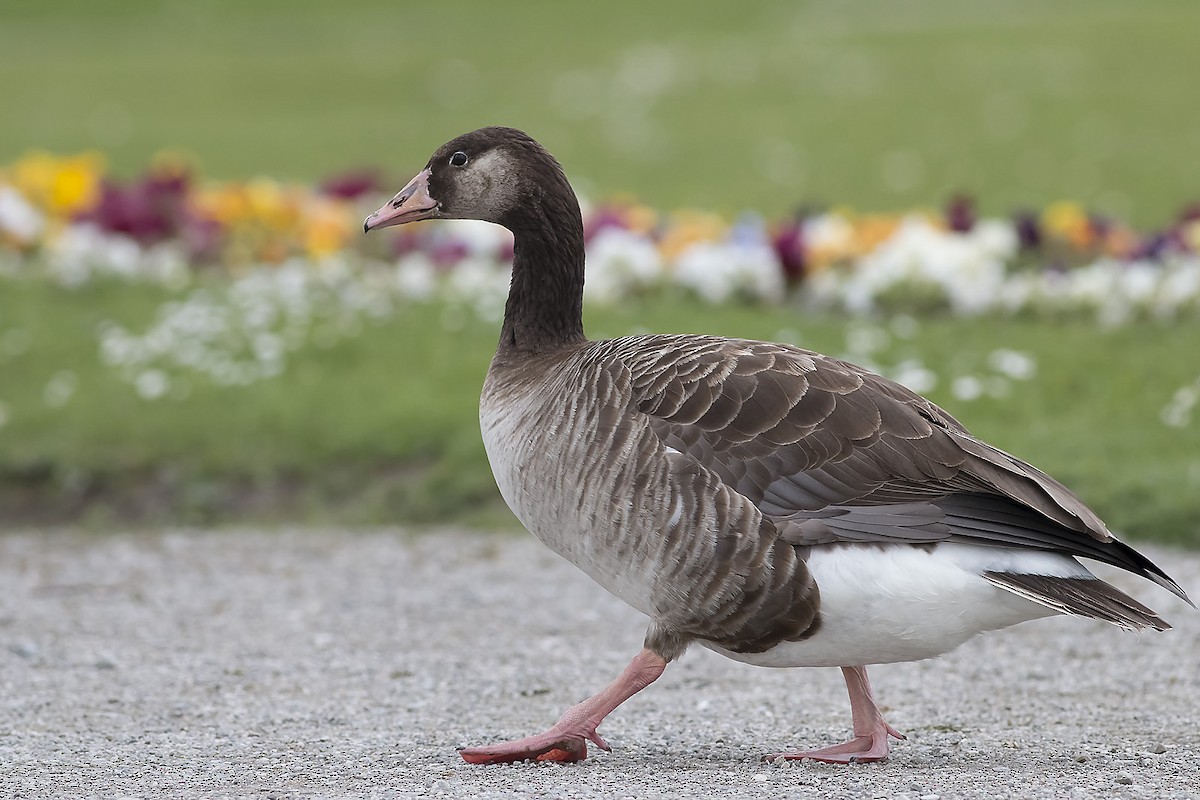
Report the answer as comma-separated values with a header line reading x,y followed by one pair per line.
x,y
148,210
352,184
408,240
788,243
960,214
603,217
448,252
1029,231
1152,247
130,210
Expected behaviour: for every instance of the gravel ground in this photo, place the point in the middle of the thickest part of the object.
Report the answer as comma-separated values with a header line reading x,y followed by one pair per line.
x,y
297,664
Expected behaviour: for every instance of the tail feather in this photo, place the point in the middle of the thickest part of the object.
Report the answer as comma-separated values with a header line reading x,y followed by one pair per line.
x,y
1085,597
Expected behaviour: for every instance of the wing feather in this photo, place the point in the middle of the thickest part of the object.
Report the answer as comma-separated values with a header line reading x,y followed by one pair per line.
x,y
830,452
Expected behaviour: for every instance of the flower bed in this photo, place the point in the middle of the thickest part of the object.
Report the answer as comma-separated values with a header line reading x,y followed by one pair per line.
x,y
67,217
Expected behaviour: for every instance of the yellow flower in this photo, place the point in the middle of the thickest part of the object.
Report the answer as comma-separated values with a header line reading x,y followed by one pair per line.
x,y
326,227
270,204
1191,234
61,187
636,218
220,202
687,228
1068,221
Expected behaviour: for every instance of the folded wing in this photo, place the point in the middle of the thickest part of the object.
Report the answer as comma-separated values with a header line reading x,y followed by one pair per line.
x,y
832,453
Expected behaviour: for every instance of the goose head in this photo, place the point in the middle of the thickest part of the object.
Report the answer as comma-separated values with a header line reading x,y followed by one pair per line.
x,y
503,176
493,174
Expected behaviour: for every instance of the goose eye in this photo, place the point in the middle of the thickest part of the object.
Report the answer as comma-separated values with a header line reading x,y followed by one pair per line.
x,y
458,159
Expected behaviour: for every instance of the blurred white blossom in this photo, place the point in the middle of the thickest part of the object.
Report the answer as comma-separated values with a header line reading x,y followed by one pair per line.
x,y
1014,364
719,272
966,388
915,375
18,218
620,263
59,389
1178,412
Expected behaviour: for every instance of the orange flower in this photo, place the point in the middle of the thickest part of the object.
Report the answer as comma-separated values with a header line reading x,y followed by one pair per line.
x,y
873,230
1068,221
1119,241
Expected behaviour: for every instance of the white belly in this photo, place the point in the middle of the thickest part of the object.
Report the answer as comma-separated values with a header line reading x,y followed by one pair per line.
x,y
882,605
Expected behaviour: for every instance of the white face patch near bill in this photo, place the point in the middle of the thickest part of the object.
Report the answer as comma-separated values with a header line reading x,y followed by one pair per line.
x,y
487,186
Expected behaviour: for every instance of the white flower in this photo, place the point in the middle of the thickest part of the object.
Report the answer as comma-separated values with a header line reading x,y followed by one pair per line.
x,y
862,339
828,232
1014,364
620,263
918,254
415,277
966,388
18,218
995,238
83,251
483,239
480,284
59,389
152,384
1178,413
718,272
915,375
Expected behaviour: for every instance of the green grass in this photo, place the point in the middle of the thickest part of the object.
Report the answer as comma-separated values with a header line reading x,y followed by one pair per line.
x,y
724,106
383,428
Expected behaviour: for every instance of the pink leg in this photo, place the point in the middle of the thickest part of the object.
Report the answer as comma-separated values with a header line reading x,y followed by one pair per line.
x,y
567,740
870,742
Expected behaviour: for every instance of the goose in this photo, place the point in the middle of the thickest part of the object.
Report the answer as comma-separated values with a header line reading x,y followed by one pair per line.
x,y
776,505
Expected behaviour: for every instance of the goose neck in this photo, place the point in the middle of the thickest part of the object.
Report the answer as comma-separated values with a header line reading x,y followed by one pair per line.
x,y
545,299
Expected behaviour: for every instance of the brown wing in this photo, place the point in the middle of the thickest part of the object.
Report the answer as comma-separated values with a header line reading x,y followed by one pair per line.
x,y
830,452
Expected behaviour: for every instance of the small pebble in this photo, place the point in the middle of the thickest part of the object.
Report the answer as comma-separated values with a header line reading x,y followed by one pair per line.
x,y
1158,748
23,649
1124,778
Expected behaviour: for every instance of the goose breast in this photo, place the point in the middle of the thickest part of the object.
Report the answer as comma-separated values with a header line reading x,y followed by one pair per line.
x,y
652,524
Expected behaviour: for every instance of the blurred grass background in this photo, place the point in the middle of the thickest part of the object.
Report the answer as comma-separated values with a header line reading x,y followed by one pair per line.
x,y
882,105
716,106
